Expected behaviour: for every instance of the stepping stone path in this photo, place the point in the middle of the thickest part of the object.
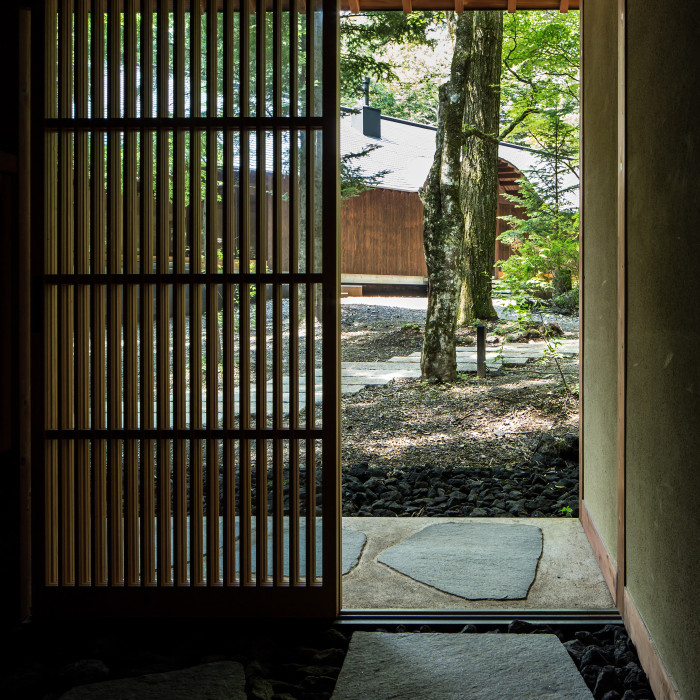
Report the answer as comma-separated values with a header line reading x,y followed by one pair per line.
x,y
477,561
221,680
434,666
355,376
353,544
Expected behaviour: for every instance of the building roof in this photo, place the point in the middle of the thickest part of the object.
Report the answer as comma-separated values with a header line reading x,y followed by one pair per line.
x,y
406,151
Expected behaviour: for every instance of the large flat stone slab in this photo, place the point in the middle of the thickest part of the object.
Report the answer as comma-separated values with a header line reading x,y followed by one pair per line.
x,y
388,366
353,542
477,561
434,666
221,680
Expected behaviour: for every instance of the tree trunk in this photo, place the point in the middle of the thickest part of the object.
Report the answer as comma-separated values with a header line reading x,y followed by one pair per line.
x,y
480,167
443,217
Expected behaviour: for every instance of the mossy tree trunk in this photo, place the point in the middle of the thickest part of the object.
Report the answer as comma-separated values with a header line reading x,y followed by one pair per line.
x,y
479,191
443,216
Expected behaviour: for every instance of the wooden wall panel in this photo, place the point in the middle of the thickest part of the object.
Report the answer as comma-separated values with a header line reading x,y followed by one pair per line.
x,y
381,233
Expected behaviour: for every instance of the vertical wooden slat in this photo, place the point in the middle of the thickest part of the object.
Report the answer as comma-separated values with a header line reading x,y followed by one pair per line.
x,y
310,300
212,343
330,268
99,301
131,378
244,302
293,296
114,311
82,266
196,497
148,556
27,208
163,511
261,538
179,353
51,510
66,385
229,253
277,382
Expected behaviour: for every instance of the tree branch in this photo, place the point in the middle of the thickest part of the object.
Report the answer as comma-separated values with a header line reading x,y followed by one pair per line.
x,y
473,131
496,138
516,122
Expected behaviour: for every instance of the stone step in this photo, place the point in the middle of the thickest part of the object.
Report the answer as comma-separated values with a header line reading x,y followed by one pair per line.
x,y
443,666
218,680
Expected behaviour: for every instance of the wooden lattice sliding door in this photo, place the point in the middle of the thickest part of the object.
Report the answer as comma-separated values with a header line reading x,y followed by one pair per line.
x,y
185,366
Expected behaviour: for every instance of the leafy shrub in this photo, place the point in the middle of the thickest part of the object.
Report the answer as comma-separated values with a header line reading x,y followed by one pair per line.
x,y
567,301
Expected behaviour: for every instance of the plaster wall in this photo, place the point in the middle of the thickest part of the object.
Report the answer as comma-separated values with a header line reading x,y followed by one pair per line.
x,y
663,372
600,267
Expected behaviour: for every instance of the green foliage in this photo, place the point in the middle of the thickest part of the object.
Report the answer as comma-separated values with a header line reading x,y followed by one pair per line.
x,y
567,300
540,98
353,180
540,72
414,100
365,39
566,512
546,241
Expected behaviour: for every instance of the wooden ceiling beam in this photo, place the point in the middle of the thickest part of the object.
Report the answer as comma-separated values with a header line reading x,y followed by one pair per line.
x,y
405,5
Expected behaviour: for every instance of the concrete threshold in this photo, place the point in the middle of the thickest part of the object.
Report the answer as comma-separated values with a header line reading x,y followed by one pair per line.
x,y
567,575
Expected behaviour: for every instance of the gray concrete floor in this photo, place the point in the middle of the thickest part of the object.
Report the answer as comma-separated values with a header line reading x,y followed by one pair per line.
x,y
567,576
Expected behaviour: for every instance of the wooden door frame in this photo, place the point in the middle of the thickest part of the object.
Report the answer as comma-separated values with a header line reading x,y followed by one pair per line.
x,y
314,600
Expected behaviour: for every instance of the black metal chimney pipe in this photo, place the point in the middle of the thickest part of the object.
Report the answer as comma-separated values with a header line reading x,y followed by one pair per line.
x,y
368,119
365,90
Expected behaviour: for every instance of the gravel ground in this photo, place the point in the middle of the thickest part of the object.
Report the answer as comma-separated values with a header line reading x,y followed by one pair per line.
x,y
281,662
545,485
427,446
413,310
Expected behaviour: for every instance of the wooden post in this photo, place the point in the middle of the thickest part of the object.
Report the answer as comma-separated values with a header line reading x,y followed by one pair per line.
x,y
481,351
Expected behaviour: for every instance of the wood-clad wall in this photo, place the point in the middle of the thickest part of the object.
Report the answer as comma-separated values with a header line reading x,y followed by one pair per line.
x,y
382,233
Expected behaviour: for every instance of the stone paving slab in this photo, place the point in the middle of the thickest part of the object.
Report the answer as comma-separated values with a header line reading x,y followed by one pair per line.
x,y
387,366
415,361
220,680
477,561
356,375
353,543
401,370
512,360
435,666
381,377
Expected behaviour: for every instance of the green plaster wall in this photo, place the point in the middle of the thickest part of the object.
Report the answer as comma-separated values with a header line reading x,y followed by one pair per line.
x,y
663,408
600,267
